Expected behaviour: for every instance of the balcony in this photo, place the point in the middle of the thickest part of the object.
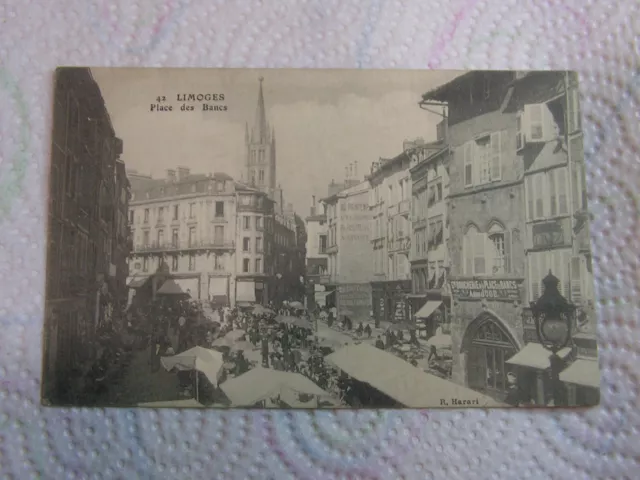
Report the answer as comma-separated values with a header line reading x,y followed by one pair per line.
x,y
404,207
332,249
400,244
156,247
219,219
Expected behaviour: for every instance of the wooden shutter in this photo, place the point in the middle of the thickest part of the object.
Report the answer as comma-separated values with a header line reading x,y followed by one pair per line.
x,y
507,251
496,167
573,110
561,191
535,124
467,254
576,279
553,196
479,253
468,165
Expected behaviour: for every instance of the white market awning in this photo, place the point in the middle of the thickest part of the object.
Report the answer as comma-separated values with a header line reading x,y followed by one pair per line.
x,y
246,292
408,385
428,308
534,355
583,372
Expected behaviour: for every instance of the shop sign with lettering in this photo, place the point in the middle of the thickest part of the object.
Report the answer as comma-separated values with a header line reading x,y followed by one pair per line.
x,y
485,289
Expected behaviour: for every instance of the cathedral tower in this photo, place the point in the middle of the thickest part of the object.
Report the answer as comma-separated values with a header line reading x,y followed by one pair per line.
x,y
260,171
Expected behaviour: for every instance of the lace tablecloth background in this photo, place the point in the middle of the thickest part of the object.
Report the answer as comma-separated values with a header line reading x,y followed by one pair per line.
x,y
599,39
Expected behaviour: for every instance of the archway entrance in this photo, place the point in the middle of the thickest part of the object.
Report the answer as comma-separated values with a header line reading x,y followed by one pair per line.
x,y
488,345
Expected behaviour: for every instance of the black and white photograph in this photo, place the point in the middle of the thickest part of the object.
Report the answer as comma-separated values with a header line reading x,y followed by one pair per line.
x,y
304,239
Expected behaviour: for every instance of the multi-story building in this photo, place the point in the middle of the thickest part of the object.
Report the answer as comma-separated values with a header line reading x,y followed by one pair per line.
x,y
86,238
486,228
349,250
389,207
549,144
317,258
206,231
431,300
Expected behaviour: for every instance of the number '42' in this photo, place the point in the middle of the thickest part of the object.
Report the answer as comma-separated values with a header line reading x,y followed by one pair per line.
x,y
161,99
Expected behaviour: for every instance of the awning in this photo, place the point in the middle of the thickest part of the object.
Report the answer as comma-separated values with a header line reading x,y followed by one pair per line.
x,y
218,290
534,355
246,292
408,385
321,297
136,282
582,372
428,308
170,287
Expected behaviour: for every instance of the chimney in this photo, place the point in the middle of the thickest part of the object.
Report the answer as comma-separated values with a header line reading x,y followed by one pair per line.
x,y
313,205
171,175
183,173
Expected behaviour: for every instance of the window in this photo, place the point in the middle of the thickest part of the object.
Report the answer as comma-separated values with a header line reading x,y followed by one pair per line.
x,y
174,237
259,223
486,253
219,186
482,160
160,237
219,209
145,264
192,236
497,252
218,262
131,216
261,176
559,263
246,244
192,262
174,263
218,235
579,191
258,244
146,215
145,239
192,210
176,211
246,221
573,111
490,349
258,265
245,265
547,194
261,156
160,214
323,244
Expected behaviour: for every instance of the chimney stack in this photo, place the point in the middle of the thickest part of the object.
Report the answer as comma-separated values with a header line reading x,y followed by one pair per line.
x,y
171,175
313,205
183,173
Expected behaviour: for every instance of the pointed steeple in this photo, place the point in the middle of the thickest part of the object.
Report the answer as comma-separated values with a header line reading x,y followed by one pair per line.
x,y
260,130
246,133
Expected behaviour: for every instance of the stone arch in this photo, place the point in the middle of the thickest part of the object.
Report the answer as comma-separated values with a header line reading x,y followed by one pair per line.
x,y
487,344
468,226
495,222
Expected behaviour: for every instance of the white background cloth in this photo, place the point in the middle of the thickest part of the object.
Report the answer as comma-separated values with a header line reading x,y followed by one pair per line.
x,y
596,37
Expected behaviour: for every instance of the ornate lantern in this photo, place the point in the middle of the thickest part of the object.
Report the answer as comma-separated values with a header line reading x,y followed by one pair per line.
x,y
553,316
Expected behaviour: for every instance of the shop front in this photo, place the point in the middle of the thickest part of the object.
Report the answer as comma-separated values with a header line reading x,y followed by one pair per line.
x,y
219,291
391,301
432,310
486,332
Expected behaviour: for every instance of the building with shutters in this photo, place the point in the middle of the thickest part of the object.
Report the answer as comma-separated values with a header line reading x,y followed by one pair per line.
x,y
486,228
429,256
317,273
208,232
549,144
88,238
389,208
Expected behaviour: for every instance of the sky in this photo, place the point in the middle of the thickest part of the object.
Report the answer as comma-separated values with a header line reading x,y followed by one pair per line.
x,y
324,120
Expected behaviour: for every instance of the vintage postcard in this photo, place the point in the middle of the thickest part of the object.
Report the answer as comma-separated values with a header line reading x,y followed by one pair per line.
x,y
318,239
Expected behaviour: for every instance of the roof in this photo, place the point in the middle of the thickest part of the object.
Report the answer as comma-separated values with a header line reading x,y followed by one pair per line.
x,y
316,218
534,355
582,372
442,92
408,385
387,163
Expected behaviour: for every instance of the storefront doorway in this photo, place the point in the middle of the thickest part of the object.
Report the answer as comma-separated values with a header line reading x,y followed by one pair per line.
x,y
488,345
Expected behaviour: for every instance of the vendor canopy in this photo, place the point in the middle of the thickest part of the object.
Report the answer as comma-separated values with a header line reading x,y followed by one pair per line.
x,y
201,359
403,382
263,383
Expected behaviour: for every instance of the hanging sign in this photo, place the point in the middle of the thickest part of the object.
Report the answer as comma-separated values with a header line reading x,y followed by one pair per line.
x,y
485,289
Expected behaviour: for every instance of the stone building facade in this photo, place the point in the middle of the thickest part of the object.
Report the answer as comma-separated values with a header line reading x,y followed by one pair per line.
x,y
86,238
486,229
390,208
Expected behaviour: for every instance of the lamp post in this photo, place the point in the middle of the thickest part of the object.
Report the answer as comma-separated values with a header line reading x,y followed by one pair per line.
x,y
553,316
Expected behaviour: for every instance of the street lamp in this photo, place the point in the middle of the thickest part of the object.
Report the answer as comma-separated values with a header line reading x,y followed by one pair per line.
x,y
553,316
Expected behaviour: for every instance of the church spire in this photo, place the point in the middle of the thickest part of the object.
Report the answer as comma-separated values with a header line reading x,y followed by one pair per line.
x,y
259,133
246,132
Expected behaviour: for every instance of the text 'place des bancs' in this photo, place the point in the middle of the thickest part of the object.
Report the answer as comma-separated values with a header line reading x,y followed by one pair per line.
x,y
412,239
